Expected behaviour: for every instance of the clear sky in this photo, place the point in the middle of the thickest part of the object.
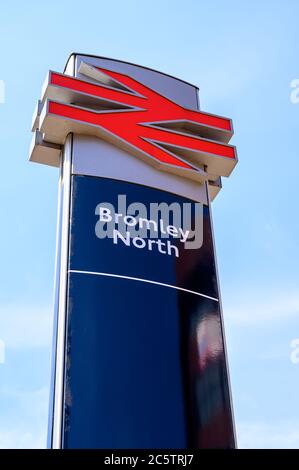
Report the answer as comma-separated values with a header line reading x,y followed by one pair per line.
x,y
243,56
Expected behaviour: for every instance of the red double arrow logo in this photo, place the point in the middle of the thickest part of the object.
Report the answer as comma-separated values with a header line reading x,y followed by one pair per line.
x,y
121,110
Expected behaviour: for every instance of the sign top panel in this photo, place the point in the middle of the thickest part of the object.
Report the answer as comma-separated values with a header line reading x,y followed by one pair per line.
x,y
173,88
151,116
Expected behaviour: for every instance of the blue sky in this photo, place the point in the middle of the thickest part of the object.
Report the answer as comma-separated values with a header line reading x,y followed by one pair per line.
x,y
243,56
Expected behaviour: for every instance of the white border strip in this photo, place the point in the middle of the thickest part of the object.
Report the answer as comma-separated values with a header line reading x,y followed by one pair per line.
x,y
142,280
62,302
222,325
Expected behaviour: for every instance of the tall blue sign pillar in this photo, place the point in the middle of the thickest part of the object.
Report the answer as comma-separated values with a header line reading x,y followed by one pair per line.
x,y
139,356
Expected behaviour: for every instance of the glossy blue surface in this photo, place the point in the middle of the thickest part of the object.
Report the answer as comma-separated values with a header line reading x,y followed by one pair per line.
x,y
124,385
145,364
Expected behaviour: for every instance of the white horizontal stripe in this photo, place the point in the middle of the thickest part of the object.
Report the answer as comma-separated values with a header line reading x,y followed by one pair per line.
x,y
142,280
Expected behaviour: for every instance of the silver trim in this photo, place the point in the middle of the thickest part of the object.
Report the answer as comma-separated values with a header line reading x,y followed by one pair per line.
x,y
105,80
61,322
222,321
55,311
